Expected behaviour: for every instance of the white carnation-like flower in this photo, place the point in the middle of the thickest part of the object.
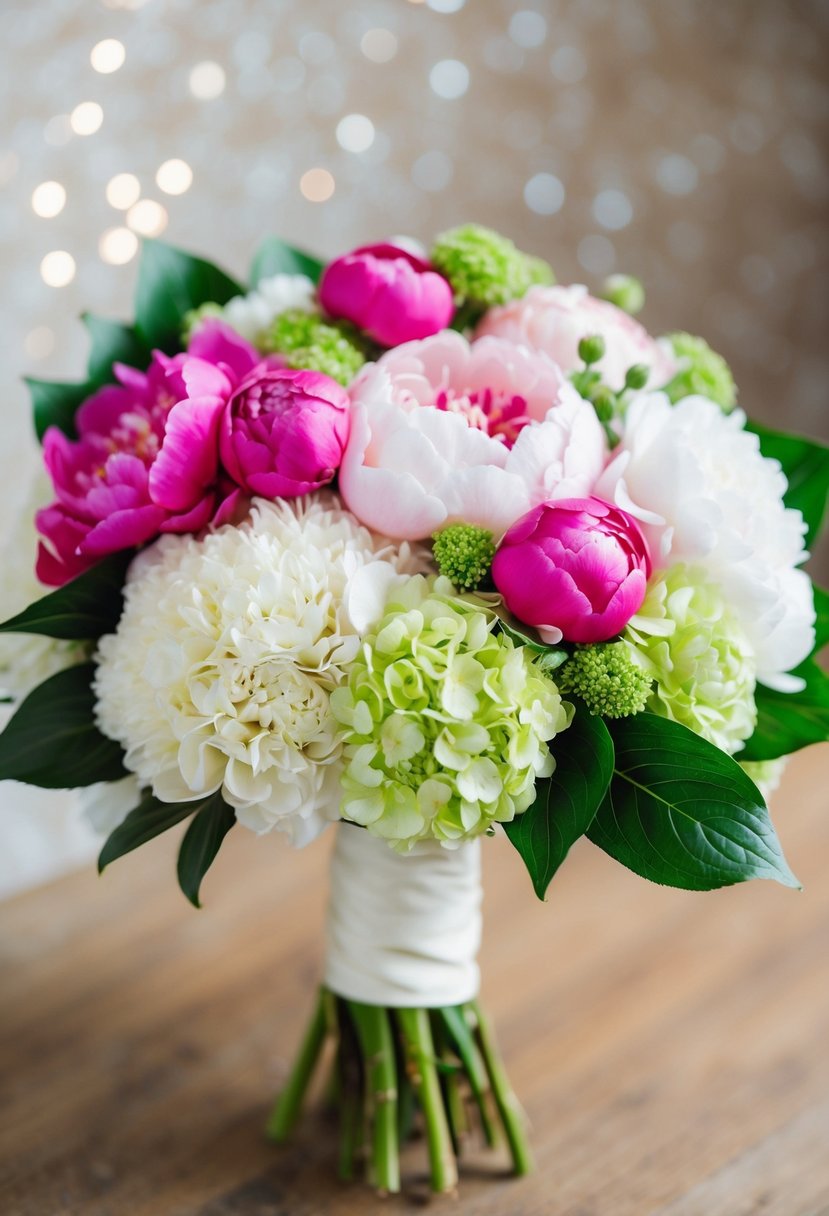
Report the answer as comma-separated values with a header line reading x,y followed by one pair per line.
x,y
253,314
703,493
220,672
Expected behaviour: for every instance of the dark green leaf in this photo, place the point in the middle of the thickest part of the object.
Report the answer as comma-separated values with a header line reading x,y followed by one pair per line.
x,y
788,721
275,257
55,404
822,622
681,812
112,342
170,284
52,740
806,465
551,656
148,820
83,609
201,843
567,801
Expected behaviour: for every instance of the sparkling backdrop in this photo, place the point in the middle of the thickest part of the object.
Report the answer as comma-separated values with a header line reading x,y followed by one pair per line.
x,y
679,140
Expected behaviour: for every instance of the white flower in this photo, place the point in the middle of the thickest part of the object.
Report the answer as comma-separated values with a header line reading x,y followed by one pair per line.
x,y
27,659
766,774
445,431
703,493
253,314
220,672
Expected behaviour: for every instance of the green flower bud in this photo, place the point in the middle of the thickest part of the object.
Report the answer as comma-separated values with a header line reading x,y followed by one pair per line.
x,y
305,340
604,403
637,376
702,372
591,349
607,678
464,554
485,268
625,292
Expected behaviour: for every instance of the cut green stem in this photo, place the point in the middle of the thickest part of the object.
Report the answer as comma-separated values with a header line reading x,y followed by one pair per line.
x,y
420,1055
371,1023
457,1026
509,1108
288,1105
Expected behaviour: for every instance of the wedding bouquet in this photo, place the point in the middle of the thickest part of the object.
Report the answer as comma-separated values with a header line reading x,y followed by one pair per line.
x,y
424,545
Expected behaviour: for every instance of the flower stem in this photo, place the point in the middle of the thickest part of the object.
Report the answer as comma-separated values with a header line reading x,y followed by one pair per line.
x,y
420,1056
457,1025
451,1084
509,1108
371,1023
288,1105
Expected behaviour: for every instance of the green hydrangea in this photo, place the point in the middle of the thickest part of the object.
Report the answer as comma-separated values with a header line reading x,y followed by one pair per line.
x,y
446,722
485,268
766,774
464,554
702,372
196,317
625,291
693,646
304,339
607,678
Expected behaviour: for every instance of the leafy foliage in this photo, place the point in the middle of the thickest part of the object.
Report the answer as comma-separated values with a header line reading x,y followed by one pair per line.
x,y
82,609
170,284
787,722
683,813
565,802
201,843
806,465
52,740
276,257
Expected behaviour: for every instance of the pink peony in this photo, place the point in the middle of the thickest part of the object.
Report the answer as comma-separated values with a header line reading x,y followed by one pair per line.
x,y
146,459
389,292
555,319
283,432
446,431
576,569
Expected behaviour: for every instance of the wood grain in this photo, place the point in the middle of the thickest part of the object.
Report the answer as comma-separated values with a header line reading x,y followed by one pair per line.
x,y
672,1049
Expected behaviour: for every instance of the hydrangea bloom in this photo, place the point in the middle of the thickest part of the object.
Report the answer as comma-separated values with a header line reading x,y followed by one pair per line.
x,y
607,678
694,647
703,493
484,267
220,672
555,319
447,722
252,315
446,431
702,373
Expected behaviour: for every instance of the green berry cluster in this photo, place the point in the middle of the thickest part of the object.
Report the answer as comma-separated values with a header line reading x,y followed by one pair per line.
x,y
305,340
485,268
702,372
607,679
464,554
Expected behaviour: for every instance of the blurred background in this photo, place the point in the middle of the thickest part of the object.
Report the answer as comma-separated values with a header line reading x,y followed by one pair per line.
x,y
683,141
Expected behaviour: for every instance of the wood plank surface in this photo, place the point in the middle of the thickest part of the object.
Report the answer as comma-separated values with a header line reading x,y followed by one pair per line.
x,y
672,1049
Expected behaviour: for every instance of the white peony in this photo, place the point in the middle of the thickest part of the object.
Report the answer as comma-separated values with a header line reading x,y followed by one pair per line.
x,y
703,493
253,314
220,672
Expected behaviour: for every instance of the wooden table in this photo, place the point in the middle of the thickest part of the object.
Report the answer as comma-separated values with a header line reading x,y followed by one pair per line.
x,y
672,1049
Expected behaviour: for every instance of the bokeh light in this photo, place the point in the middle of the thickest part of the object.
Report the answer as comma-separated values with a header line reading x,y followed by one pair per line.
x,y
48,199
317,185
117,246
86,118
107,56
123,190
174,177
207,80
147,217
57,268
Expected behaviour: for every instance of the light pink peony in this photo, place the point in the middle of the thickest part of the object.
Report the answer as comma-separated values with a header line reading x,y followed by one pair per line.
x,y
146,459
555,319
576,569
283,432
445,431
389,292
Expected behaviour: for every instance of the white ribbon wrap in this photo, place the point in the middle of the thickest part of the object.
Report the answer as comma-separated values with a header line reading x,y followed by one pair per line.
x,y
403,928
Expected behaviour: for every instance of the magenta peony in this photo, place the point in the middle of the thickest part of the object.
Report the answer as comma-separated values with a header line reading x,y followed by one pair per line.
x,y
576,569
389,292
283,432
146,459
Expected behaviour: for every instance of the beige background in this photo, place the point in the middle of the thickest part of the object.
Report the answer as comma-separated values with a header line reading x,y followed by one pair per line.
x,y
680,140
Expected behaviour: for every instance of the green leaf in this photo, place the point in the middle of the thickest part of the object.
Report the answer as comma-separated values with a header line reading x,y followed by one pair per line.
x,y
275,257
681,812
148,820
55,404
551,658
112,342
806,465
567,801
52,740
201,843
789,721
170,284
83,609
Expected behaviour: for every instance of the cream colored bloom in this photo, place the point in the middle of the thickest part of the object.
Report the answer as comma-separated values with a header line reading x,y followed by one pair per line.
x,y
220,672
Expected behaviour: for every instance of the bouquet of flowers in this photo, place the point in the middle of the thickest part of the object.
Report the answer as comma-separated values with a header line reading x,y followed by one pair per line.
x,y
422,544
